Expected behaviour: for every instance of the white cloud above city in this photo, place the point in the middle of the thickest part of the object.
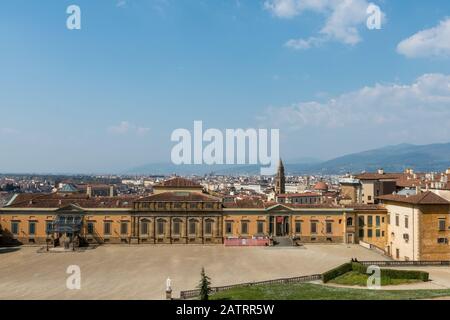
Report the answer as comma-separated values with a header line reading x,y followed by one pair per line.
x,y
343,20
125,127
407,112
432,42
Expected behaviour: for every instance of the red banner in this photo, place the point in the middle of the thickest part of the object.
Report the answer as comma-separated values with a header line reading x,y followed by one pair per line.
x,y
280,219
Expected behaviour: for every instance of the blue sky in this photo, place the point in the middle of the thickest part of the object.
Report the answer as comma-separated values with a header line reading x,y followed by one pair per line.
x,y
107,97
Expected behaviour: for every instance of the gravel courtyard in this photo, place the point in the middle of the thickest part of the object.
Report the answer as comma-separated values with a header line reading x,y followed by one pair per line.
x,y
140,272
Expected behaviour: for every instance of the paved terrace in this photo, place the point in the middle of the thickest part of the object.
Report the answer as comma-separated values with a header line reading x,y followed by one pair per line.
x,y
140,272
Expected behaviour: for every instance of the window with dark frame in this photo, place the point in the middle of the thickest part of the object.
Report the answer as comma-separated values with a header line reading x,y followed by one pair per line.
x,y
107,228
260,227
441,224
32,228
124,228
229,227
244,227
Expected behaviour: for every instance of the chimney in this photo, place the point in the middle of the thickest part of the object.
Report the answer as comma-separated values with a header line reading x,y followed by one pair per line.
x,y
89,191
380,171
111,191
418,190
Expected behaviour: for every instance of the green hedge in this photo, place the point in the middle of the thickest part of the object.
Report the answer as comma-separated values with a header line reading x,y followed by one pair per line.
x,y
385,273
394,274
336,272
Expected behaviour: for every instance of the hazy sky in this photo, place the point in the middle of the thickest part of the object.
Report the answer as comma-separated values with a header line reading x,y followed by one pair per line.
x,y
107,97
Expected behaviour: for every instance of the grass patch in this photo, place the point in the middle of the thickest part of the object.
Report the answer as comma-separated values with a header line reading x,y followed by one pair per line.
x,y
309,291
354,278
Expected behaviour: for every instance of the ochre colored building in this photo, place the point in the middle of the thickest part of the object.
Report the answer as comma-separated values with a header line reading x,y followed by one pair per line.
x,y
178,213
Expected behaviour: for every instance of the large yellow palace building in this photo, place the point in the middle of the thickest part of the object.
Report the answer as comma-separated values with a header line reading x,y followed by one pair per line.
x,y
180,213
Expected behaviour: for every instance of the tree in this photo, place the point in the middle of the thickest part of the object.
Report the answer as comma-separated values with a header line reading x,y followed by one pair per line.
x,y
204,286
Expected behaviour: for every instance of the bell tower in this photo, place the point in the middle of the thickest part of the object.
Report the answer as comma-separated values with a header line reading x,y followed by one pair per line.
x,y
280,179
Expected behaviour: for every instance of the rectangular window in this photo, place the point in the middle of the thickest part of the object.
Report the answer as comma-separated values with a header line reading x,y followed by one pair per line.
x,y
361,221
369,233
406,222
15,227
260,227
244,227
397,220
32,228
361,233
377,221
160,228
441,224
313,227
144,227
369,198
298,227
107,228
192,227
124,228
369,221
397,253
377,233
229,227
208,227
90,227
48,227
329,227
176,228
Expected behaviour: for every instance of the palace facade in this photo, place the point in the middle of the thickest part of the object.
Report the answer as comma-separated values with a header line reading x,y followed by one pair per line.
x,y
178,212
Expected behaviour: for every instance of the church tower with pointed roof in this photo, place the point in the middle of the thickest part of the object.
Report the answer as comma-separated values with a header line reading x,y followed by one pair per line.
x,y
280,179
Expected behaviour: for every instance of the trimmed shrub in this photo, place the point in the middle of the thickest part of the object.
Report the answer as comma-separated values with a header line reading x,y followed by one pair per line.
x,y
394,274
336,272
359,267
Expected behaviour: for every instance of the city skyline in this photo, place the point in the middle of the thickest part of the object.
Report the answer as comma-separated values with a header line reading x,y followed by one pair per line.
x,y
106,98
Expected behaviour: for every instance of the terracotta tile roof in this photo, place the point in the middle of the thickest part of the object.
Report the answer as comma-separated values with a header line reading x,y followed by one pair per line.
x,y
366,207
298,195
378,176
180,196
57,200
245,204
178,182
427,197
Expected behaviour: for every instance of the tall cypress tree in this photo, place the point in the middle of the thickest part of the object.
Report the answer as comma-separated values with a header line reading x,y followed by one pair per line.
x,y
204,286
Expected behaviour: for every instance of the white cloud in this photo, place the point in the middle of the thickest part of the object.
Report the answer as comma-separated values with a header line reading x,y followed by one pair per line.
x,y
8,131
343,19
392,113
125,127
434,42
121,3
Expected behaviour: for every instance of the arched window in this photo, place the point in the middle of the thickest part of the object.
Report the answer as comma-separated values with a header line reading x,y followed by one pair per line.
x,y
193,226
160,226
209,226
350,221
176,226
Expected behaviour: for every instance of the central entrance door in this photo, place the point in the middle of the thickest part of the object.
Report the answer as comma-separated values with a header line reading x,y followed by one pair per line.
x,y
281,226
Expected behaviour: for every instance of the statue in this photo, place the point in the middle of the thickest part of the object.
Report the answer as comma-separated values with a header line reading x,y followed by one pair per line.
x,y
168,289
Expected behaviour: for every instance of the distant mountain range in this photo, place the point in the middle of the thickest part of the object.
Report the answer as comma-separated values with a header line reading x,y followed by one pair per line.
x,y
425,158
